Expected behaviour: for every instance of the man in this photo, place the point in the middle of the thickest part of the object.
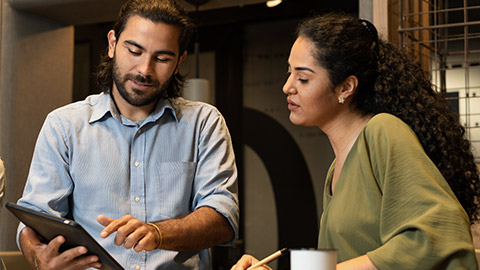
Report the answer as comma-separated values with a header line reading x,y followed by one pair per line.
x,y
149,175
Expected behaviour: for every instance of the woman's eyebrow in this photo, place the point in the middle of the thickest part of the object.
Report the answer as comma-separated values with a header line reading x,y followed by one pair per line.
x,y
304,69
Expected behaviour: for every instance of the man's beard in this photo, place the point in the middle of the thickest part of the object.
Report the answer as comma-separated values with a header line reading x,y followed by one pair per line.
x,y
139,98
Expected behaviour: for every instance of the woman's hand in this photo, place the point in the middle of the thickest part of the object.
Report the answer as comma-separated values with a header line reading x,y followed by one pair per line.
x,y
247,261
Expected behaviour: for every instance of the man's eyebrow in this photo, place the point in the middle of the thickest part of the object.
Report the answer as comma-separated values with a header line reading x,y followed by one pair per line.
x,y
133,43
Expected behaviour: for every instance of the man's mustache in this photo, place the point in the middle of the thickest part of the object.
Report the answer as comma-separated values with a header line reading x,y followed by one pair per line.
x,y
142,79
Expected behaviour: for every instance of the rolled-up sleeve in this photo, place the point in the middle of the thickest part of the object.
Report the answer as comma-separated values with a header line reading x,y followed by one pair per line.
x,y
215,182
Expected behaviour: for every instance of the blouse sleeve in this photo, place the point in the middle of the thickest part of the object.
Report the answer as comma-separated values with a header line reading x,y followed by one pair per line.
x,y
422,224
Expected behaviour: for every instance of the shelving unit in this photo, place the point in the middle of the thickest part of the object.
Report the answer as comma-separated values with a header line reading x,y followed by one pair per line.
x,y
444,36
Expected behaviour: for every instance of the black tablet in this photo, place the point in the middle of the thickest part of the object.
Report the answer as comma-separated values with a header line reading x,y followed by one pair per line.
x,y
50,226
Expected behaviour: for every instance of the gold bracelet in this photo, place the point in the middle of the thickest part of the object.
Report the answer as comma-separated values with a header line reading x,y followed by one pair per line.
x,y
35,262
160,238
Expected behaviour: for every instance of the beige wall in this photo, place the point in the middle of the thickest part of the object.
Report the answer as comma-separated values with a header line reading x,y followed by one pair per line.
x,y
36,74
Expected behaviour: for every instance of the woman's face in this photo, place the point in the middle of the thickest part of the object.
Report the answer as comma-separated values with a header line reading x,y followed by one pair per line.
x,y
311,99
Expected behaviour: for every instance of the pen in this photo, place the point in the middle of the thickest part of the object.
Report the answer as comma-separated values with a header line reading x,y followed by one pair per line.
x,y
269,258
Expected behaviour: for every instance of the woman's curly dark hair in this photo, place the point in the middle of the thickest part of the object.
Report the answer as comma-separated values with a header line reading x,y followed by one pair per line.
x,y
391,82
165,11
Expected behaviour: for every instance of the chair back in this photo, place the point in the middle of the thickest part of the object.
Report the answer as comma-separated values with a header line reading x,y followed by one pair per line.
x,y
13,260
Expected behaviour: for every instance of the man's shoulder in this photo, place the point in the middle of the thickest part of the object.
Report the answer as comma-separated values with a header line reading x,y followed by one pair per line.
x,y
81,108
186,104
81,112
187,108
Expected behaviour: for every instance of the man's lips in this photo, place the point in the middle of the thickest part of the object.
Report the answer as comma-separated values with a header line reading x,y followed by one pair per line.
x,y
141,85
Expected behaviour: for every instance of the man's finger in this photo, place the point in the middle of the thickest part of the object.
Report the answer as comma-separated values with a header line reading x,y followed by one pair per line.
x,y
31,235
111,225
71,259
104,220
73,253
54,245
135,238
130,232
147,243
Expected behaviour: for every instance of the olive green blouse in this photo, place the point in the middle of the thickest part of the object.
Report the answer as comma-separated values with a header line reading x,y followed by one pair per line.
x,y
392,203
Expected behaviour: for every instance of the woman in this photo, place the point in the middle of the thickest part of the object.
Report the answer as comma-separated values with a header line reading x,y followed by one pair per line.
x,y
403,188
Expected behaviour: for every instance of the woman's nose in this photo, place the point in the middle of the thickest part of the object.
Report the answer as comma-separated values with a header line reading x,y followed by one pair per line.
x,y
288,86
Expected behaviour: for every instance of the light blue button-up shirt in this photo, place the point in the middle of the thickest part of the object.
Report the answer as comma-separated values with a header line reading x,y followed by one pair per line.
x,y
90,160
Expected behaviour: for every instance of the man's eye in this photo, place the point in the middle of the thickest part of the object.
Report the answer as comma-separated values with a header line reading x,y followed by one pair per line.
x,y
162,60
134,52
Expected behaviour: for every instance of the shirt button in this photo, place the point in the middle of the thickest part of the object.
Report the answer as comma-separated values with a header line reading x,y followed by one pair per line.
x,y
137,267
137,199
139,131
137,163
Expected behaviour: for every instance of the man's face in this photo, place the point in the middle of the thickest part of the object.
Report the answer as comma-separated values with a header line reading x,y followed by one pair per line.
x,y
145,59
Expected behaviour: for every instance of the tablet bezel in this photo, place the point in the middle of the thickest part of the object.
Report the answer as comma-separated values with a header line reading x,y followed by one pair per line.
x,y
49,226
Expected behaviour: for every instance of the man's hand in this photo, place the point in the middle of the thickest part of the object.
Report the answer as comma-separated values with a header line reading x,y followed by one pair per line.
x,y
201,229
46,256
131,232
247,261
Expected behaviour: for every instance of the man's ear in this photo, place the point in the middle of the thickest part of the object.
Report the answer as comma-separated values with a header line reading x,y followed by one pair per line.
x,y
180,60
348,87
112,42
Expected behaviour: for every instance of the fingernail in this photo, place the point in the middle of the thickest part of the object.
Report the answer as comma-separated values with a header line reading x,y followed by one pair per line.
x,y
103,234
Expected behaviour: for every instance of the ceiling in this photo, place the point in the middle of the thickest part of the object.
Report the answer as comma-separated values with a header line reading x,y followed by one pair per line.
x,y
216,4
78,12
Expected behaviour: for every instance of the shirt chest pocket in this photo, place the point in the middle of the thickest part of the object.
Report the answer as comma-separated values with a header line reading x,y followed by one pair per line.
x,y
171,188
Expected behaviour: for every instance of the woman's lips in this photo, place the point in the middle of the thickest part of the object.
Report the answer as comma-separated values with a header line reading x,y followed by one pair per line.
x,y
292,105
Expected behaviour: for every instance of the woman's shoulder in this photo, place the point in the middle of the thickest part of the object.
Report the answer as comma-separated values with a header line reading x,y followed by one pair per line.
x,y
384,119
386,122
388,126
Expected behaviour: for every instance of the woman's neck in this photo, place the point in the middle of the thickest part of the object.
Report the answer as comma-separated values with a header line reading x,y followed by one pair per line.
x,y
343,132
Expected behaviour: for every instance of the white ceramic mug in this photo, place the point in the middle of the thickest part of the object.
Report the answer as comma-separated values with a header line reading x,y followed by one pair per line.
x,y
313,259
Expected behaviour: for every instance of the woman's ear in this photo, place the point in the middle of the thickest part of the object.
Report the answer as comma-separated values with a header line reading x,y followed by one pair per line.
x,y
348,87
112,42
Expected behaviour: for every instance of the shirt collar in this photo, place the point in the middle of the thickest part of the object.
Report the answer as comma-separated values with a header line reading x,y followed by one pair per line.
x,y
163,105
106,106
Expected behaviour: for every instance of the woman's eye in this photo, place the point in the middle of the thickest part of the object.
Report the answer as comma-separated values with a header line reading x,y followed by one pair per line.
x,y
303,80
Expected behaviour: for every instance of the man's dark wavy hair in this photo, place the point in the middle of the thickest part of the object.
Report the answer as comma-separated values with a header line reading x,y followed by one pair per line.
x,y
391,82
164,11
